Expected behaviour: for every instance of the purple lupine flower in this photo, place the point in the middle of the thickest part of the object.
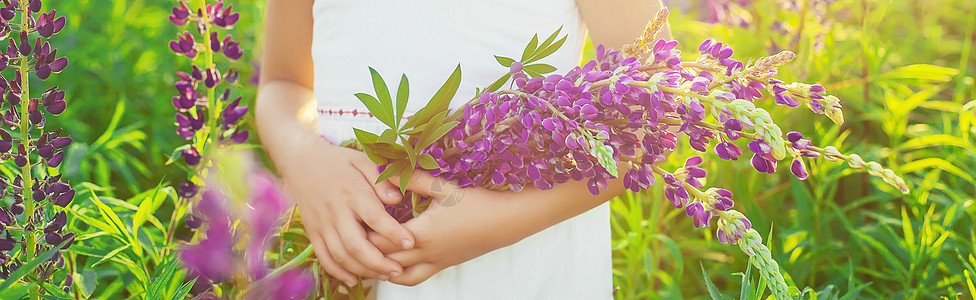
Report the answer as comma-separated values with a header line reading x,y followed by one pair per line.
x,y
762,159
43,193
197,100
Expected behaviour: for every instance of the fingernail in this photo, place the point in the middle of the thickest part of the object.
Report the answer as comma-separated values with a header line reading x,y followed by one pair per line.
x,y
393,194
406,244
394,274
351,283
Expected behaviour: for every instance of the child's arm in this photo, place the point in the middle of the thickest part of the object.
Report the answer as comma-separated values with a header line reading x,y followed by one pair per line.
x,y
484,220
331,185
615,23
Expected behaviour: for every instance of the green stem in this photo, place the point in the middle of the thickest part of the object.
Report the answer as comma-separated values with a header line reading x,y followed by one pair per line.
x,y
28,179
294,261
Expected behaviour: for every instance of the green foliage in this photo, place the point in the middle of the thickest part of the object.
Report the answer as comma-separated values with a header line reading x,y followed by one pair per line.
x,y
904,73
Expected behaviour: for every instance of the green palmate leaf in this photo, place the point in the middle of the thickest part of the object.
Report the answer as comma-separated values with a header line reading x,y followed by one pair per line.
x,y
498,83
382,92
388,136
504,61
404,180
418,129
403,93
366,140
365,137
29,266
437,134
373,156
440,101
549,39
411,153
530,48
390,151
374,106
548,50
435,122
537,70
393,169
427,161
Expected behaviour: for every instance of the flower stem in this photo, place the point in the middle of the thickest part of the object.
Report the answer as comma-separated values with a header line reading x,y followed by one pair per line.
x,y
28,179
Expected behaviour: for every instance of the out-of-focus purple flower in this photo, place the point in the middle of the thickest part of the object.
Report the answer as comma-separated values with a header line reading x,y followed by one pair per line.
x,y
213,257
266,206
289,284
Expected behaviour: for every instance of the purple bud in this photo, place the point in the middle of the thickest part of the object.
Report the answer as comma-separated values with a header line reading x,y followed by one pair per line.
x,y
64,198
191,156
239,136
515,68
6,245
56,159
798,169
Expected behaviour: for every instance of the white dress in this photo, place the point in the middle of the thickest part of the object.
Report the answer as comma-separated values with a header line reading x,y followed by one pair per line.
x,y
426,39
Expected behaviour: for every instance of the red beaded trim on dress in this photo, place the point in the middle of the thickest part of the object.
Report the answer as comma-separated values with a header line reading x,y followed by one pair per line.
x,y
341,112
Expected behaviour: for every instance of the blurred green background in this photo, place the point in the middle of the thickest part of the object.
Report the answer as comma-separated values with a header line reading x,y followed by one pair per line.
x,y
903,69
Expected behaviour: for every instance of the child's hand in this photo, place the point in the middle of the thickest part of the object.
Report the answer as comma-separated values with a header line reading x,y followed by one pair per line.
x,y
458,226
335,195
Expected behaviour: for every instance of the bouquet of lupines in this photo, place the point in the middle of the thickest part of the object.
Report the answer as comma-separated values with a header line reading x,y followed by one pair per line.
x,y
618,115
32,228
206,116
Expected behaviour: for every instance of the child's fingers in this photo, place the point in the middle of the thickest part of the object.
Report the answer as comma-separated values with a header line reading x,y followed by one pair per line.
x,y
382,243
421,182
344,256
416,274
408,257
380,221
362,253
330,266
388,193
